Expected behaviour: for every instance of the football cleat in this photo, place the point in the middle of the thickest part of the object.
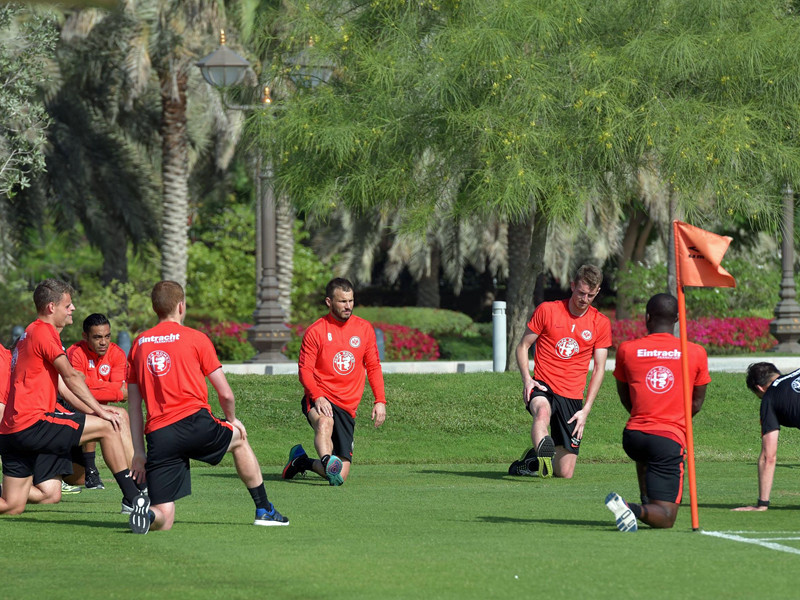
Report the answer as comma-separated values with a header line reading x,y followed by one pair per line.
x,y
333,471
545,451
140,517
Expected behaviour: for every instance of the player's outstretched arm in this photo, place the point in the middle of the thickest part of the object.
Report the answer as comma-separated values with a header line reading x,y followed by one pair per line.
x,y
75,382
766,471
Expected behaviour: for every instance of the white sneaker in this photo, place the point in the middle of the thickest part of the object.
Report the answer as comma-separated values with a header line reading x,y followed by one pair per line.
x,y
626,521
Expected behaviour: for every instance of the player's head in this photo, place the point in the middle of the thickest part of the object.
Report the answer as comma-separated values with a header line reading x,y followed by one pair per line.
x,y
760,375
585,287
661,313
54,297
339,298
97,333
166,296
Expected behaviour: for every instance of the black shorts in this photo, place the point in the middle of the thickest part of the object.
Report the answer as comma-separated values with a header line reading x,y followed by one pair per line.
x,y
663,458
561,410
343,428
200,436
52,438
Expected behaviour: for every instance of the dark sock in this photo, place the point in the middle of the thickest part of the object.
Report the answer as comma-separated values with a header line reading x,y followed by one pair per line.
x,y
127,485
88,461
259,496
325,460
304,462
636,509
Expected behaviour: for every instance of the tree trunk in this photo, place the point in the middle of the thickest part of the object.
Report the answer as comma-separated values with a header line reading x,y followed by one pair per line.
x,y
115,253
285,240
526,243
174,174
428,284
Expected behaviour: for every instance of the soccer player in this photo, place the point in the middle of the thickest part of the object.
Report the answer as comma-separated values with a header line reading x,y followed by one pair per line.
x,y
338,351
169,364
31,426
780,405
104,364
567,334
650,387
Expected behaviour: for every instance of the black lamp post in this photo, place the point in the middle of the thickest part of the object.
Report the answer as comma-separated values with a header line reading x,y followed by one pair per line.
x,y
269,334
786,326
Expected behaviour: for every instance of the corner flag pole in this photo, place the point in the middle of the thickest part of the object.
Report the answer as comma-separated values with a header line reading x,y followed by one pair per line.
x,y
687,404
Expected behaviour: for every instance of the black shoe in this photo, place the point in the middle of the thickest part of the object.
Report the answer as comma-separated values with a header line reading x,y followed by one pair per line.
x,y
93,481
140,517
545,452
522,467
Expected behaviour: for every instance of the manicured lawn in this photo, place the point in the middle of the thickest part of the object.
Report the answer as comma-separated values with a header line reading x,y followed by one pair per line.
x,y
429,512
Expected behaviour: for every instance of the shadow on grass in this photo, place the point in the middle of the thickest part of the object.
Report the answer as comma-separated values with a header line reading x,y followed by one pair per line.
x,y
479,474
516,520
122,525
269,477
733,505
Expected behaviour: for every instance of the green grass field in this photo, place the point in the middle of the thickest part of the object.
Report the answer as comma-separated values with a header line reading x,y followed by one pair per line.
x,y
428,512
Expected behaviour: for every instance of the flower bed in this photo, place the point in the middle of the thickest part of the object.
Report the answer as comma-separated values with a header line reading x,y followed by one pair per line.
x,y
734,335
229,339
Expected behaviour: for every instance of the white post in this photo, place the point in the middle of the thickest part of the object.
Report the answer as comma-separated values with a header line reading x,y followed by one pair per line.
x,y
499,336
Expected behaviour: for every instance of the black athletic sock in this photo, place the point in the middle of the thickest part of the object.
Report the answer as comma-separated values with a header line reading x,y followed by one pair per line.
x,y
127,485
259,496
304,462
636,509
325,460
88,461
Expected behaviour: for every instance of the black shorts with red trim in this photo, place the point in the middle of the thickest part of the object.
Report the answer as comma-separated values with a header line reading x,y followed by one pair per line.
x,y
53,436
200,436
663,458
561,411
344,427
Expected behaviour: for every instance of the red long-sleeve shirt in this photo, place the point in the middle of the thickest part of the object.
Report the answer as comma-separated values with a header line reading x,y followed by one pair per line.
x,y
335,358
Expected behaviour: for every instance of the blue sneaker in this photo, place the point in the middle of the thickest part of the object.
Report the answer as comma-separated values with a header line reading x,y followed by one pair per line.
x,y
270,518
626,521
333,470
140,517
291,469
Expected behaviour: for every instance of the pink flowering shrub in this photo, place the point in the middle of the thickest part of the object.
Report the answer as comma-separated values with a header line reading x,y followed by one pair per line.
x,y
734,335
401,343
230,340
407,343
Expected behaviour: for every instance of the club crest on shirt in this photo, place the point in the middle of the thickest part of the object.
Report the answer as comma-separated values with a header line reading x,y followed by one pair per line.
x,y
355,341
796,384
158,363
344,362
586,335
566,347
659,380
104,370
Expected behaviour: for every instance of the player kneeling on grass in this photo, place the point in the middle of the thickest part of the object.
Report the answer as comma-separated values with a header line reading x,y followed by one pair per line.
x,y
650,387
780,405
168,368
338,352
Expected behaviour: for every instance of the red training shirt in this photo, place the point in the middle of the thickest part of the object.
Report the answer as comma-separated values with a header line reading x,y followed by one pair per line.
x,y
34,379
335,358
651,366
104,375
566,344
170,363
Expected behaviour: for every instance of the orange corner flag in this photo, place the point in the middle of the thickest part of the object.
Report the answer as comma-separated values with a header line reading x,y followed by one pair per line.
x,y
698,256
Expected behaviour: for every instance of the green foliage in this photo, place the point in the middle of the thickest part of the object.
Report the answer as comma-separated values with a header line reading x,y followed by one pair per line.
x,y
309,279
433,321
27,42
221,286
465,348
756,294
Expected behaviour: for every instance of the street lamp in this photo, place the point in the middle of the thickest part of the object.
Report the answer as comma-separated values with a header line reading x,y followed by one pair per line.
x,y
269,334
786,326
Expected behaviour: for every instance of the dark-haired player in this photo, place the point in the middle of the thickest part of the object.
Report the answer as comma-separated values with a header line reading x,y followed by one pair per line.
x,y
104,364
567,335
780,405
650,387
31,425
338,352
169,364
